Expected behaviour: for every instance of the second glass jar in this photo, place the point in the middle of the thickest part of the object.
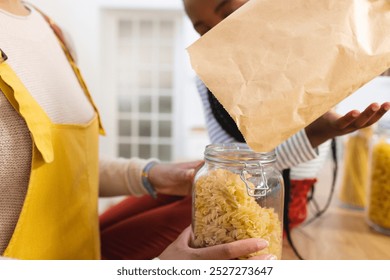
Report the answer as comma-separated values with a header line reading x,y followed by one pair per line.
x,y
238,194
378,210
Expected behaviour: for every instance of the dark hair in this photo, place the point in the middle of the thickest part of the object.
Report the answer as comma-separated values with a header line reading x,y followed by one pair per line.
x,y
386,73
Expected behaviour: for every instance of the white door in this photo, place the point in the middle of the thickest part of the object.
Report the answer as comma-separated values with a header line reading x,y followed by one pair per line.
x,y
142,72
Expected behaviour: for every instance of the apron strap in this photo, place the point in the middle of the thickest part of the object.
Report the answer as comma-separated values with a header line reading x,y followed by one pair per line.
x,y
37,121
60,36
3,56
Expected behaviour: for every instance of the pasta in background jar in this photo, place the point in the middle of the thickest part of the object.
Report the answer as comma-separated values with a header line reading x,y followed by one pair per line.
x,y
378,212
353,192
238,194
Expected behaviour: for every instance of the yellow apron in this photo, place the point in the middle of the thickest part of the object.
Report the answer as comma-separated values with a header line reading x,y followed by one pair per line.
x,y
59,218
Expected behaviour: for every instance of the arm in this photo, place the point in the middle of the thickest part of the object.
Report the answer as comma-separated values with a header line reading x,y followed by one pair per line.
x,y
120,176
294,151
180,249
301,147
174,179
123,177
332,124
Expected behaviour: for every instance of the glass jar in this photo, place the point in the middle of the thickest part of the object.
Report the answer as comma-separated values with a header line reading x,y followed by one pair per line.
x,y
238,194
353,191
378,210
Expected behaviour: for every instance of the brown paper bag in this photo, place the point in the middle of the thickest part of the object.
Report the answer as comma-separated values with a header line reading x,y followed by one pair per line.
x,y
277,65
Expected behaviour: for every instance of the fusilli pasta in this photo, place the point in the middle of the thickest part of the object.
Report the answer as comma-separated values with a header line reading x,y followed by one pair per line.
x,y
379,200
224,212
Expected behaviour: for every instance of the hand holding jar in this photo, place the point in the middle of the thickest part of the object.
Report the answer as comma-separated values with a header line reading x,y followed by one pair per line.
x,y
238,194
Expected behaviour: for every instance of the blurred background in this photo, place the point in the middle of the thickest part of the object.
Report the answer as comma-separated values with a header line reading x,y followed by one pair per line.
x,y
133,58
132,54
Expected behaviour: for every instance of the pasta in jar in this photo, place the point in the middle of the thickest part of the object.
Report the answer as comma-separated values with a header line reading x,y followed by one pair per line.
x,y
353,192
224,210
379,196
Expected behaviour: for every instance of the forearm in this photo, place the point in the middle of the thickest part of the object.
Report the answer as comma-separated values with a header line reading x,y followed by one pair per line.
x,y
318,136
295,150
121,176
310,169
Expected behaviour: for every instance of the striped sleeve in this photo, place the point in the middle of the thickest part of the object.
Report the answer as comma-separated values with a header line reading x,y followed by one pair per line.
x,y
295,150
311,169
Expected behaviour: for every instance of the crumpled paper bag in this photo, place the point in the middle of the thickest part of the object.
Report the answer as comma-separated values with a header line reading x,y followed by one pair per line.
x,y
277,65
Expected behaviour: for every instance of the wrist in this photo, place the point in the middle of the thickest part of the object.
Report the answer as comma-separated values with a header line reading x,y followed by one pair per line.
x,y
315,136
145,176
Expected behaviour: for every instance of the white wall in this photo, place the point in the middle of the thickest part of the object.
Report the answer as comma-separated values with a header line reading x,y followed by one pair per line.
x,y
378,90
82,20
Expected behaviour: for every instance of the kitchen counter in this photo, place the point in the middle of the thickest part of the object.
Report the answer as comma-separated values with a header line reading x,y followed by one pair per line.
x,y
339,234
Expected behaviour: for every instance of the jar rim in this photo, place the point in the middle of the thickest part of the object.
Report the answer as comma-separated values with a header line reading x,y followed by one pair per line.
x,y
237,153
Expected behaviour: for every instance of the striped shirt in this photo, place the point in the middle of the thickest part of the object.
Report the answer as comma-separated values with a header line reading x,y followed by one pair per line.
x,y
295,153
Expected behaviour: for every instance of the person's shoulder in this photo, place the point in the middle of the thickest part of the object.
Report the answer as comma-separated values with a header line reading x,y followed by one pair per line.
x,y
61,34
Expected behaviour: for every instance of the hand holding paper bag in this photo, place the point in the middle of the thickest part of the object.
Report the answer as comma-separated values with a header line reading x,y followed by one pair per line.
x,y
276,66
